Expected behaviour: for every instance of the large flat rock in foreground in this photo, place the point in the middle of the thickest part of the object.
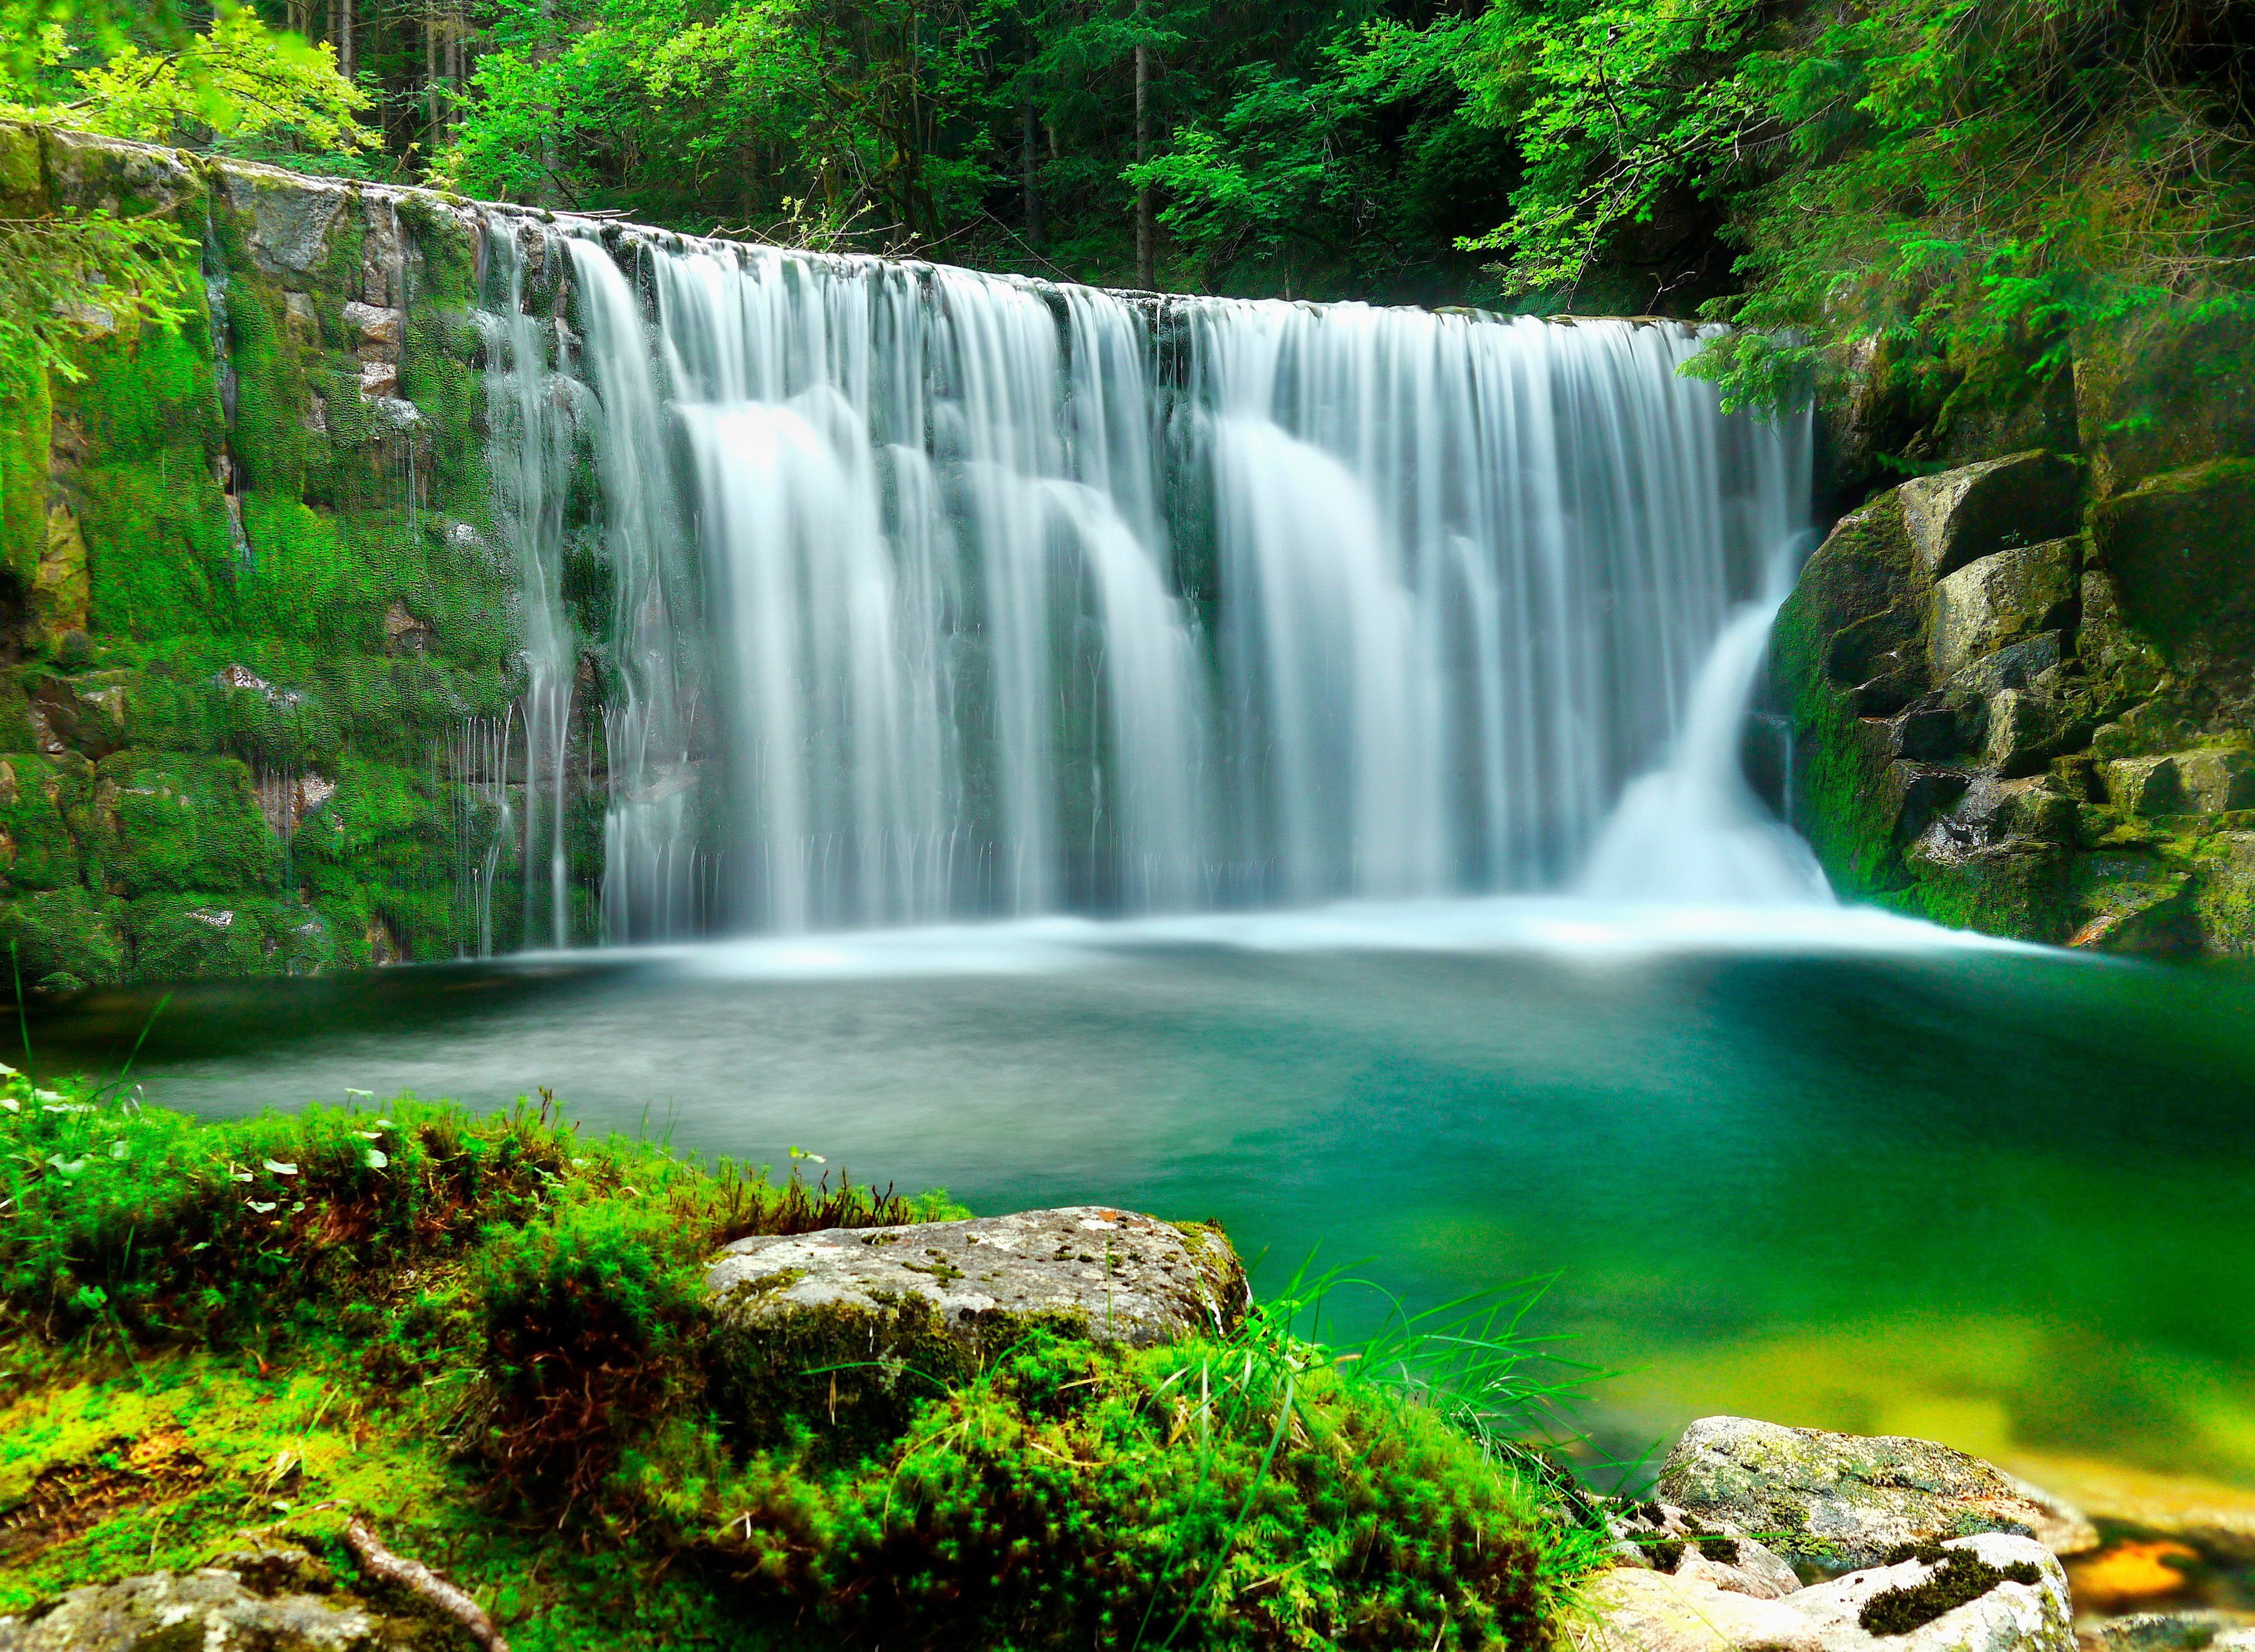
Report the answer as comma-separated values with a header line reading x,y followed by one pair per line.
x,y
1131,1279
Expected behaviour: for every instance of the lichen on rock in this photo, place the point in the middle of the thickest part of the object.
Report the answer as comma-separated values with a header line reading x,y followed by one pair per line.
x,y
1846,1500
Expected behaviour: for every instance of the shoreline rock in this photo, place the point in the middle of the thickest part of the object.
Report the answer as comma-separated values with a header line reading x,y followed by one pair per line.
x,y
1134,1279
1849,1501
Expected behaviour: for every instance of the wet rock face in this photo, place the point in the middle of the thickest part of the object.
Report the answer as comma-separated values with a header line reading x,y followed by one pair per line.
x,y
279,1601
1836,1499
1961,515
2181,550
2003,723
2001,598
1133,1278
272,482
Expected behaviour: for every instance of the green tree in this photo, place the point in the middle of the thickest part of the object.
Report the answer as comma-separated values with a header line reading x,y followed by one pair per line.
x,y
90,66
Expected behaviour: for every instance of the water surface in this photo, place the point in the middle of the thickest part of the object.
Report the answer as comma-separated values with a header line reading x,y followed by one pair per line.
x,y
1817,1165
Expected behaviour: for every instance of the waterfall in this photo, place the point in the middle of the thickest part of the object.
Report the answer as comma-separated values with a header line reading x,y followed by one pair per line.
x,y
935,594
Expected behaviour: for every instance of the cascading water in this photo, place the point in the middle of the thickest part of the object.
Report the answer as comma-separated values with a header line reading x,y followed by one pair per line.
x,y
937,594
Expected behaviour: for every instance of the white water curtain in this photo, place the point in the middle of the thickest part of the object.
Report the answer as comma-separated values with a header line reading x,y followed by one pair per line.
x,y
938,595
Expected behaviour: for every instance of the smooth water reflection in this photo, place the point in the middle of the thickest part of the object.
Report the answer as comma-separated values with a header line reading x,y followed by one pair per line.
x,y
1836,1169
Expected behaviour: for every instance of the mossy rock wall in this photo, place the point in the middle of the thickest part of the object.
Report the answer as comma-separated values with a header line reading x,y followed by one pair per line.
x,y
2022,691
252,594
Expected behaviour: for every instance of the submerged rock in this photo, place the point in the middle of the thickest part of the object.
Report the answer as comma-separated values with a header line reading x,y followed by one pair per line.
x,y
2216,1522
273,1602
2173,1631
2025,1610
1132,1278
1847,1499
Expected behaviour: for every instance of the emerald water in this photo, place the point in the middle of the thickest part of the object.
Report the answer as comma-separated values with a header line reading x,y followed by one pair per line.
x,y
1813,1165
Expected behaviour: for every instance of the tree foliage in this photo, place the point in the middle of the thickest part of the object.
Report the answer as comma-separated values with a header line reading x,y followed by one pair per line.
x,y
70,275
1964,180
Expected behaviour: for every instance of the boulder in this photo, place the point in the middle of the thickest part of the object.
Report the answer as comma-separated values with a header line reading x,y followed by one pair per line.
x,y
1846,1500
2173,1631
1637,1610
1130,1278
2144,785
1672,1540
2011,1614
273,1602
1964,515
2180,552
2001,598
2217,778
832,1323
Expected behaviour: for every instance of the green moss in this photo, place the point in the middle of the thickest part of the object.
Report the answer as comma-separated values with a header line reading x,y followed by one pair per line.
x,y
169,822
25,419
262,630
37,851
139,472
64,937
472,1332
1961,1577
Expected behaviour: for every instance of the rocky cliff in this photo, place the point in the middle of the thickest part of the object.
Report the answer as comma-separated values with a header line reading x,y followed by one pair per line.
x,y
255,641
2022,689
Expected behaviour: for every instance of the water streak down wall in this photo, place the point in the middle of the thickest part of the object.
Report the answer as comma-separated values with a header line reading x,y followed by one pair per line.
x,y
939,594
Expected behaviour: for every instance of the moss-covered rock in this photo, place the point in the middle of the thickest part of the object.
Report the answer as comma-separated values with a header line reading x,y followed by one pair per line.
x,y
2000,599
2040,738
1957,517
231,580
2176,388
1847,1499
2180,552
847,1318
238,1603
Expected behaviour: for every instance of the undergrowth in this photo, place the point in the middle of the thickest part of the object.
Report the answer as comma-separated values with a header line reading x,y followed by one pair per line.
x,y
489,1337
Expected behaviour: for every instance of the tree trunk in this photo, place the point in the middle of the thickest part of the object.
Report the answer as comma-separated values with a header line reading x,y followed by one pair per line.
x,y
433,88
457,69
1032,187
348,59
1142,153
1144,227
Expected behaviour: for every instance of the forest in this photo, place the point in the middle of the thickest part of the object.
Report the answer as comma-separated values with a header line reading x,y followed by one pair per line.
x,y
1968,182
